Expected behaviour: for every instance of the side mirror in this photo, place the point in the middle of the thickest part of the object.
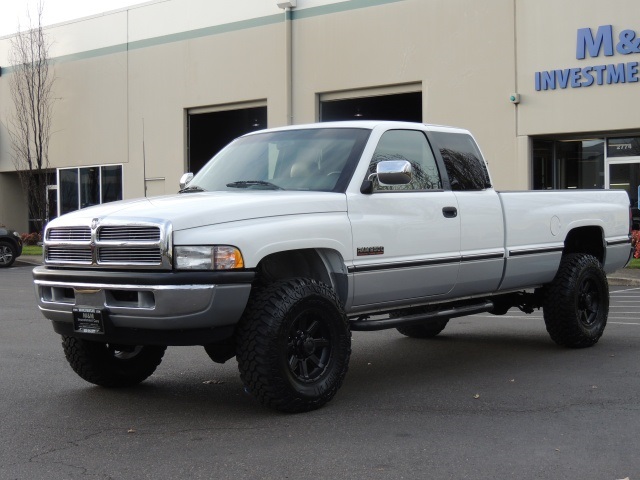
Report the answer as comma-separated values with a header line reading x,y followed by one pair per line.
x,y
394,172
185,179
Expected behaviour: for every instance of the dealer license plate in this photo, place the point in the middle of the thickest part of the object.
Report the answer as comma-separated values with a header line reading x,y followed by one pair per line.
x,y
88,320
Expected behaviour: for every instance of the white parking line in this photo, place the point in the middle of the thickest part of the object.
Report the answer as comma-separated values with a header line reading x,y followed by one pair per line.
x,y
625,290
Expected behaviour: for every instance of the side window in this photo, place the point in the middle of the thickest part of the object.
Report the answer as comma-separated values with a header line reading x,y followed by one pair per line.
x,y
410,145
462,159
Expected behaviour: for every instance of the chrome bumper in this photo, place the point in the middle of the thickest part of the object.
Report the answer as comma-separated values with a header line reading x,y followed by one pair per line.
x,y
157,302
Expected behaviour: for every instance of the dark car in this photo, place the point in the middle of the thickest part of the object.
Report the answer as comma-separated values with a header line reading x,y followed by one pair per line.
x,y
10,246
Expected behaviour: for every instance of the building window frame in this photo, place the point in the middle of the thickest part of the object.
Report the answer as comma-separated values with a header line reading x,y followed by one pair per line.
x,y
554,172
91,182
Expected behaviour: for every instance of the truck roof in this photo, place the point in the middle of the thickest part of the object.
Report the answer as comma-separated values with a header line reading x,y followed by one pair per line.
x,y
367,124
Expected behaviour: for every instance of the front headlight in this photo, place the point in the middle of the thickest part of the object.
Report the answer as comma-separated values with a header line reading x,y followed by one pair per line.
x,y
209,257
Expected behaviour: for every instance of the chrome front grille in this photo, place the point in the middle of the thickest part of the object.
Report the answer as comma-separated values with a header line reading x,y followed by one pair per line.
x,y
110,244
130,255
71,234
124,233
68,254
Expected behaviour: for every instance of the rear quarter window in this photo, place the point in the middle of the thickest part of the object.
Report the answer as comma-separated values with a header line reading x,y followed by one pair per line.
x,y
462,160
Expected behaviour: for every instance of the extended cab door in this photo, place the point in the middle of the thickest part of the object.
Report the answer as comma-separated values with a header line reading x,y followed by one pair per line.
x,y
482,240
406,238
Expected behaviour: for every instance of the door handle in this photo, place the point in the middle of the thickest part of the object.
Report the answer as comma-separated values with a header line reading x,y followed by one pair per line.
x,y
450,212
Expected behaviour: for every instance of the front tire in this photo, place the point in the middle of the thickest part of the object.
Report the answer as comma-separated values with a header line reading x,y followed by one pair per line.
x,y
576,302
110,365
7,254
293,345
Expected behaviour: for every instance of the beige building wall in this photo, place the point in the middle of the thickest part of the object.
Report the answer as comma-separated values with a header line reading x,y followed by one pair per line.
x,y
13,206
460,52
90,112
547,40
223,71
127,80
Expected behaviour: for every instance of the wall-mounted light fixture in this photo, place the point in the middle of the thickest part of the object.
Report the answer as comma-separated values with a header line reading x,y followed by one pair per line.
x,y
288,4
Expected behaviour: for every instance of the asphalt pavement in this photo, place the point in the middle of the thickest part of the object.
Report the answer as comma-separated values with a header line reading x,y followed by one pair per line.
x,y
492,397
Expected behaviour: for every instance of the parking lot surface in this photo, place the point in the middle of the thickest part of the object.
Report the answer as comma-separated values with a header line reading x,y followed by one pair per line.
x,y
491,397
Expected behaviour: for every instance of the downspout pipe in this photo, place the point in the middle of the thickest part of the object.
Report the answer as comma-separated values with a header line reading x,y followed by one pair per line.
x,y
289,52
288,7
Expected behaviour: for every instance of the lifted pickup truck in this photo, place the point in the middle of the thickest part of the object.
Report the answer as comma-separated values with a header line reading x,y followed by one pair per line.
x,y
290,238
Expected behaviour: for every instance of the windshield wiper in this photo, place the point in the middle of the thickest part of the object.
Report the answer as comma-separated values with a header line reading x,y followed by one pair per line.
x,y
192,188
254,183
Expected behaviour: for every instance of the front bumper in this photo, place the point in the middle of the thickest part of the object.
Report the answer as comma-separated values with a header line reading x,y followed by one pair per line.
x,y
169,308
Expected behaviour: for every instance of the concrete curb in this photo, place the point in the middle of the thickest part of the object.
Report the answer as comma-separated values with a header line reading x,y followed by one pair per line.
x,y
29,259
623,281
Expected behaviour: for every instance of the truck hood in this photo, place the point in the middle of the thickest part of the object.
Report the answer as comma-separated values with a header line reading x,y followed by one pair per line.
x,y
189,210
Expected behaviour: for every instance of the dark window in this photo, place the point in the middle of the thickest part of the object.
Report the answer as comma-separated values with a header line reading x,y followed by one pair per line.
x,y
623,147
406,107
68,190
412,146
561,164
543,172
211,132
111,183
462,159
87,186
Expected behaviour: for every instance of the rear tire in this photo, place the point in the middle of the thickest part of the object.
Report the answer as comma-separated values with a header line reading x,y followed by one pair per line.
x,y
109,365
576,302
293,345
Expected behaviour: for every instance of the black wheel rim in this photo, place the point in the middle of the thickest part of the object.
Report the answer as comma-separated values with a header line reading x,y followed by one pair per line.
x,y
308,346
589,301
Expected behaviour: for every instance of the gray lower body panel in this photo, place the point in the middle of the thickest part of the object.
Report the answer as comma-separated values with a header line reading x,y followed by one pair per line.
x,y
149,307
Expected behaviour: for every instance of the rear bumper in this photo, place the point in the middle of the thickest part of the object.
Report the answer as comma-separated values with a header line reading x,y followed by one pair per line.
x,y
165,307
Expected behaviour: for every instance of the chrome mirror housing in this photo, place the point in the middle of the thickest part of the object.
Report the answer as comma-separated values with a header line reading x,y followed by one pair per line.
x,y
185,179
394,172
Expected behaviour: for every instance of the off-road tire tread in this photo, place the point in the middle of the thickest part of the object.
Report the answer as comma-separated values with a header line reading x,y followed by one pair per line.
x,y
256,346
559,303
93,363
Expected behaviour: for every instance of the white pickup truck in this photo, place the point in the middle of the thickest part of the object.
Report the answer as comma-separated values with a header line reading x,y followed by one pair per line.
x,y
290,238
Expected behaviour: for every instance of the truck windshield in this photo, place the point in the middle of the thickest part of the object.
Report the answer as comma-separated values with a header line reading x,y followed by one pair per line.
x,y
318,159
